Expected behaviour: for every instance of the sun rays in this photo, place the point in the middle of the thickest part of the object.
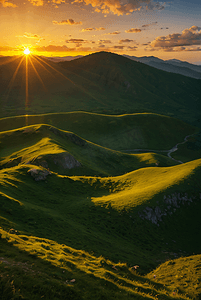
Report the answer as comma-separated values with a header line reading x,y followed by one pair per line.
x,y
32,77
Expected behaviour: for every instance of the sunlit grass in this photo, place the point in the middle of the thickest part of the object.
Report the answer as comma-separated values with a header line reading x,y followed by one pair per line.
x,y
79,268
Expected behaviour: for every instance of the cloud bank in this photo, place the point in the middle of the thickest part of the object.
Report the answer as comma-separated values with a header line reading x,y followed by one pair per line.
x,y
117,7
189,37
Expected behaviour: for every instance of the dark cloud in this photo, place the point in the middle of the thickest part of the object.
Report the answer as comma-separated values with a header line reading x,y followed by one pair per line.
x,y
155,5
132,48
148,25
78,42
125,41
67,22
75,41
91,29
119,47
104,41
133,30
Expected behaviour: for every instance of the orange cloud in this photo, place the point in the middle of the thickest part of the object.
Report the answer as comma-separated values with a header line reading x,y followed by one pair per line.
x,y
37,2
133,30
30,36
88,29
188,37
115,32
7,4
100,28
91,29
107,6
67,22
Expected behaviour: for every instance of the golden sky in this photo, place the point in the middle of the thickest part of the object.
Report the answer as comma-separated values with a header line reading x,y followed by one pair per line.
x,y
78,27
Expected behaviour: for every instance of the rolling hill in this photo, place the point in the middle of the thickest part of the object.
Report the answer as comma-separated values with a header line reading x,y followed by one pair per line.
x,y
95,201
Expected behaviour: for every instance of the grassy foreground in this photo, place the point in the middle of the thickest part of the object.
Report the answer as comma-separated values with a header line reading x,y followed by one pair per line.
x,y
85,230
36,268
104,212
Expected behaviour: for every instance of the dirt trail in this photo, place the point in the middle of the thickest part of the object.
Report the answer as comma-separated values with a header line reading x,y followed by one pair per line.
x,y
175,148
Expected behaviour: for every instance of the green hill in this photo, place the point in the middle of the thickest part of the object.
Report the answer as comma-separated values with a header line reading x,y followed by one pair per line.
x,y
67,153
121,132
182,275
106,212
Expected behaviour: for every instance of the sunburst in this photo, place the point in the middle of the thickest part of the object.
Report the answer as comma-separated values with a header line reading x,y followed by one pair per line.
x,y
27,51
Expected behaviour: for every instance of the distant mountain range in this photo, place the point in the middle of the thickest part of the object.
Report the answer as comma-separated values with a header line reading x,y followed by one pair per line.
x,y
171,65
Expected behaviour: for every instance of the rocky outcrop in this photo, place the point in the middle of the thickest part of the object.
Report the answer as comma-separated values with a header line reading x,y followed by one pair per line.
x,y
66,161
39,174
168,206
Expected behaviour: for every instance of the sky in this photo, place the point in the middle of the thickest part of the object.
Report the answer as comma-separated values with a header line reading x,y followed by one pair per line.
x,y
79,27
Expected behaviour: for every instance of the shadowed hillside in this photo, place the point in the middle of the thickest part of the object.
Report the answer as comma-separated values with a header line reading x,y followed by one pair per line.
x,y
101,82
123,132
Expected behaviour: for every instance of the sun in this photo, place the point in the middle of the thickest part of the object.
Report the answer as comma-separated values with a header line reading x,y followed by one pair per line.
x,y
27,51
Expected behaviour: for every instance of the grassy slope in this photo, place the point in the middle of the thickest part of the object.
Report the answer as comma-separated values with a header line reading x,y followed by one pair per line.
x,y
96,209
178,273
41,144
33,268
123,132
